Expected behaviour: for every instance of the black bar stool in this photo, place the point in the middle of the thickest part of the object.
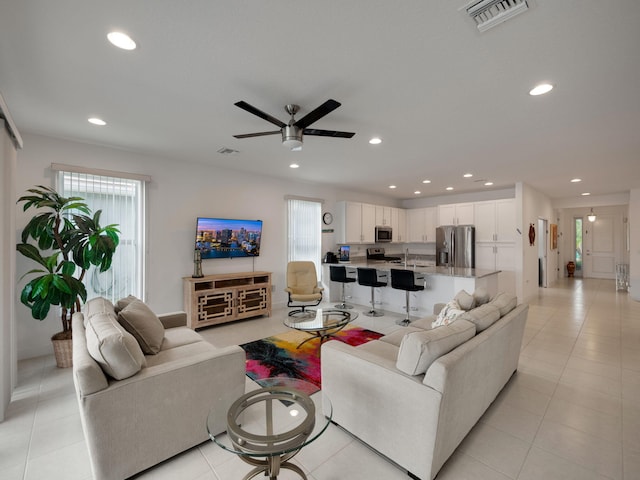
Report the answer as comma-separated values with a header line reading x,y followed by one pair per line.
x,y
404,280
369,278
339,274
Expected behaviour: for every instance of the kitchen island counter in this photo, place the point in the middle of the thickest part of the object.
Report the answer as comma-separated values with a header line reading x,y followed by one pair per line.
x,y
425,269
440,285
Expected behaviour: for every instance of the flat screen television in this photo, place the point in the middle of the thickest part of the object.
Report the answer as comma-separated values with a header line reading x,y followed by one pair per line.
x,y
228,238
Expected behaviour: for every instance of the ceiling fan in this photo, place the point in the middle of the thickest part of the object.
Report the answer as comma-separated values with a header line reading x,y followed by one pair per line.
x,y
293,131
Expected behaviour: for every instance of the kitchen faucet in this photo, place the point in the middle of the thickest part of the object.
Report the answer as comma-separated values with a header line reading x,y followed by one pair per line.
x,y
406,256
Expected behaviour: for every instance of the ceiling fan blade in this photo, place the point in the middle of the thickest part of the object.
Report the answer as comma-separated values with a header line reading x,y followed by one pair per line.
x,y
259,134
328,133
315,115
251,109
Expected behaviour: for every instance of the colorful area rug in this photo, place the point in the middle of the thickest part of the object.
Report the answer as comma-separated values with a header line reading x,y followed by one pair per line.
x,y
277,356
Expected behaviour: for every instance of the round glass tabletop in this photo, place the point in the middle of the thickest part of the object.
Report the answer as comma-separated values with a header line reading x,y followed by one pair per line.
x,y
274,419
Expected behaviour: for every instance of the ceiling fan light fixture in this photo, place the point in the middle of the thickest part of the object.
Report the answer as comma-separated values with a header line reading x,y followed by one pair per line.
x,y
375,141
292,137
592,216
541,89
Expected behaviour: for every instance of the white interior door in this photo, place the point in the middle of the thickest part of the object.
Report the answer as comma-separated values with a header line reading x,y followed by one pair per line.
x,y
600,247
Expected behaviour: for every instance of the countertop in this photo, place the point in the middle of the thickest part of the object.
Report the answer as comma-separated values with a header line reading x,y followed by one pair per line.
x,y
424,269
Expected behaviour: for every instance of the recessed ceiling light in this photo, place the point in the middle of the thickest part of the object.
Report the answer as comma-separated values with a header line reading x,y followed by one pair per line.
x,y
449,188
97,121
294,165
541,89
121,40
375,141
417,192
576,180
488,184
468,175
585,194
392,186
426,181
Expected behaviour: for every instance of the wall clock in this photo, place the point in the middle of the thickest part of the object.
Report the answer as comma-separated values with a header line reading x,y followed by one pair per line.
x,y
327,218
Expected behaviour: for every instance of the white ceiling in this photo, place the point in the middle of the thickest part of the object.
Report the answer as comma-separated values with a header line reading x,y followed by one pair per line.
x,y
444,98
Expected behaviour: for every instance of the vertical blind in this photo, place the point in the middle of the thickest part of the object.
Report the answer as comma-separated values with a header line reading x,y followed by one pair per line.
x,y
305,231
122,202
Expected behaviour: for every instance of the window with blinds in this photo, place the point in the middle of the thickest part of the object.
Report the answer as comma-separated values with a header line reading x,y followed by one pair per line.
x,y
305,231
122,202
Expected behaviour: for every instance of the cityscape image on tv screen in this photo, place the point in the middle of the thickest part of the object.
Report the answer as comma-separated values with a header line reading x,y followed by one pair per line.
x,y
228,238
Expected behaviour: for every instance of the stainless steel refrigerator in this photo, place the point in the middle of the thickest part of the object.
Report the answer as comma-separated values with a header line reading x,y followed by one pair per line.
x,y
456,246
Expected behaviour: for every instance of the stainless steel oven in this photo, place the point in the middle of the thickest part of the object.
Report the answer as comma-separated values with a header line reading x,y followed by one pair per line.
x,y
383,234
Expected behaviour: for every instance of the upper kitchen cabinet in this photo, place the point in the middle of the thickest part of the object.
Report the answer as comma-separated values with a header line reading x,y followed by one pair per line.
x,y
421,225
455,214
356,223
383,215
495,221
399,224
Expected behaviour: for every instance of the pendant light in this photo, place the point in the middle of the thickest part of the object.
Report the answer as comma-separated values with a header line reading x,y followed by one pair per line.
x,y
592,216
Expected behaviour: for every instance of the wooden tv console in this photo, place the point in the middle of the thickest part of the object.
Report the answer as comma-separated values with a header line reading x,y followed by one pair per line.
x,y
221,298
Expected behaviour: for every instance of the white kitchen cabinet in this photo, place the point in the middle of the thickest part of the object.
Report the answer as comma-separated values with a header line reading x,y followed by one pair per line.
x,y
383,215
421,225
495,220
456,214
355,223
399,224
368,225
498,256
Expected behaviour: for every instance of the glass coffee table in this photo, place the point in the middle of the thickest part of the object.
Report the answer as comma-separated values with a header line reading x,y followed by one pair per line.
x,y
270,424
323,325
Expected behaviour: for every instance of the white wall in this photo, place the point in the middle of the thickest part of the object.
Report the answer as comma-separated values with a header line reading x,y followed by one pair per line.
x,y
535,205
8,354
179,192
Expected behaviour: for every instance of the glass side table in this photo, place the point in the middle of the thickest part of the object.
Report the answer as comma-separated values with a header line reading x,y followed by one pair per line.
x,y
323,325
269,425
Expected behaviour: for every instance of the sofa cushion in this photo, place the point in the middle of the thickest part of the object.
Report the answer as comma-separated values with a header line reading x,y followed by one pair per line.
x,y
112,347
123,302
448,314
144,325
95,306
395,337
505,302
481,296
425,322
465,300
482,317
418,350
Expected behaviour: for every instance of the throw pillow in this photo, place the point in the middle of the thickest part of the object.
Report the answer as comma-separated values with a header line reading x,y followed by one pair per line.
x,y
482,317
419,350
115,350
505,302
123,302
481,296
448,314
144,325
465,300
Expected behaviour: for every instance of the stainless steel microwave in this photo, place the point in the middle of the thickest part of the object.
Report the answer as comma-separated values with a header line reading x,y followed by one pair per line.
x,y
383,234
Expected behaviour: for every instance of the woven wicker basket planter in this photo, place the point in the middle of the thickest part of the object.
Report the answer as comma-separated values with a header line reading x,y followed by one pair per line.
x,y
63,351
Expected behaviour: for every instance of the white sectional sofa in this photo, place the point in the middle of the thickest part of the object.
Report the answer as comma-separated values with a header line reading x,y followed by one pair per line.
x,y
414,395
145,386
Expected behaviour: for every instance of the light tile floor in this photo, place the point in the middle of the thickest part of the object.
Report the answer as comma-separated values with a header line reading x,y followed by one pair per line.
x,y
571,412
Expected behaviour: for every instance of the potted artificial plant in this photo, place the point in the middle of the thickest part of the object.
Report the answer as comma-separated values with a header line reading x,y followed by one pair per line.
x,y
66,241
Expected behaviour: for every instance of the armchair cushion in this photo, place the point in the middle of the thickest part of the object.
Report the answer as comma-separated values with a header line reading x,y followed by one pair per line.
x,y
144,325
112,347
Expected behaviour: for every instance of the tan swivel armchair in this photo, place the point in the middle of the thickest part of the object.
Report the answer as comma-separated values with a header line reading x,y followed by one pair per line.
x,y
302,286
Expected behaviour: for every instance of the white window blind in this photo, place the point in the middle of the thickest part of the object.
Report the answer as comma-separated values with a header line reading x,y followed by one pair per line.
x,y
305,231
122,202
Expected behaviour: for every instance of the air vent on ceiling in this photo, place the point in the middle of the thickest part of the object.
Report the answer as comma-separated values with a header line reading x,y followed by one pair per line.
x,y
489,13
